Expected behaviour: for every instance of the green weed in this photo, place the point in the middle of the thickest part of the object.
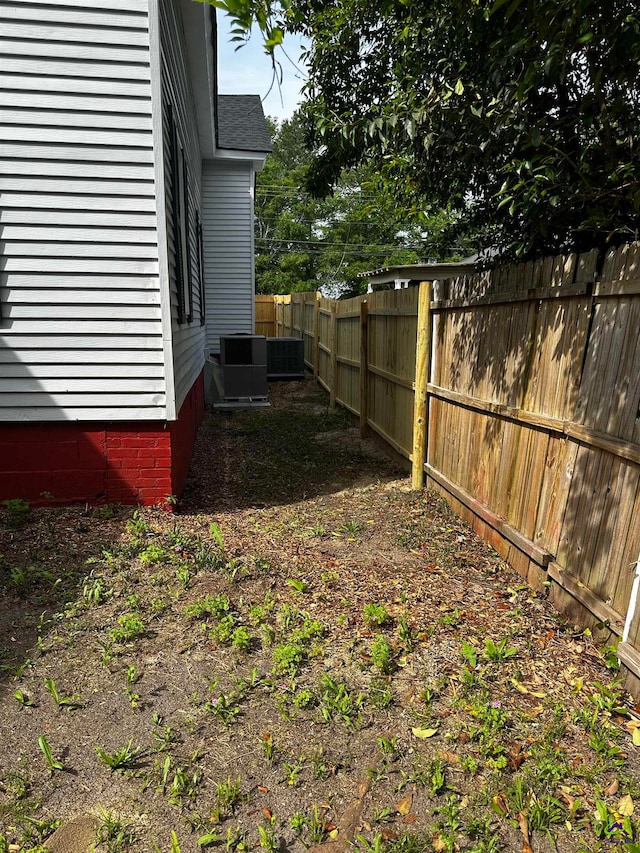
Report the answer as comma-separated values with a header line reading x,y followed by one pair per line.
x,y
125,758
376,615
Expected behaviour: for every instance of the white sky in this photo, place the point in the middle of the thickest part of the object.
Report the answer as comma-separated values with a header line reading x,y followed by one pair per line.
x,y
247,71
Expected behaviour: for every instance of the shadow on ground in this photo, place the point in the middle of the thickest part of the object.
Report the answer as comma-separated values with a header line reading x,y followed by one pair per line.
x,y
43,570
294,450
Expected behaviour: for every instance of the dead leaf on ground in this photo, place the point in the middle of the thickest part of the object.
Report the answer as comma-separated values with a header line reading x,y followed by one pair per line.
x,y
438,843
448,756
626,806
523,823
404,806
612,788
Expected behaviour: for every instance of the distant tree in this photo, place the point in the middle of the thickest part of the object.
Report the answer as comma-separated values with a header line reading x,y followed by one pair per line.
x,y
520,115
306,243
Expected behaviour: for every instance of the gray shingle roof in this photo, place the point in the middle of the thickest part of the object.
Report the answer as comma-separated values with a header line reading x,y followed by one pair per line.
x,y
241,124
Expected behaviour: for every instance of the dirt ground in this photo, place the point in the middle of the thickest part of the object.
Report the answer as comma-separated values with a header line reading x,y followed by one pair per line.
x,y
306,652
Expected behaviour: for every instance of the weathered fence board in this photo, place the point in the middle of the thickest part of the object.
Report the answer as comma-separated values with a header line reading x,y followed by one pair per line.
x,y
527,418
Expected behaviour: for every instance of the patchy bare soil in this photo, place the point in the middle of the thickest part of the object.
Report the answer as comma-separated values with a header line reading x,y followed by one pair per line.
x,y
306,653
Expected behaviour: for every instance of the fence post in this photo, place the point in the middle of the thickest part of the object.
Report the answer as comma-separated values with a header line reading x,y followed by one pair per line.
x,y
333,364
316,338
423,371
364,368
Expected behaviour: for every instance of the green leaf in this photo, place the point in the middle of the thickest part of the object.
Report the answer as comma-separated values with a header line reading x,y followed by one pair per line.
x,y
424,733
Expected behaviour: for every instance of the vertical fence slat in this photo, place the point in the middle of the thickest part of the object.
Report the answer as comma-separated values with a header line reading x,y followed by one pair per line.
x,y
333,363
364,369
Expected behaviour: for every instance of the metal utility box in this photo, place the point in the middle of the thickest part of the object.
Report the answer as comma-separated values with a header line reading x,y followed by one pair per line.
x,y
243,359
285,358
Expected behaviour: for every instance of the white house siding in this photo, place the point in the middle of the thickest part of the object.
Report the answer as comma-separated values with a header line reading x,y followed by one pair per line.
x,y
227,214
80,331
188,337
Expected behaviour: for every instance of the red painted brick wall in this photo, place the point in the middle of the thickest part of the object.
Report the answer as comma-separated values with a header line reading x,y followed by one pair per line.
x,y
128,463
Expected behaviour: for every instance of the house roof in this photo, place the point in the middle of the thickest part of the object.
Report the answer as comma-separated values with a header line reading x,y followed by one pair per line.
x,y
241,124
419,272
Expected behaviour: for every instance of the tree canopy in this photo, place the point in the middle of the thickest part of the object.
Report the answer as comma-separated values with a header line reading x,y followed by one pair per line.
x,y
520,115
304,243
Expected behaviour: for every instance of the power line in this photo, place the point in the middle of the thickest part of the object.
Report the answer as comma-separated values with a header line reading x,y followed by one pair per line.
x,y
322,243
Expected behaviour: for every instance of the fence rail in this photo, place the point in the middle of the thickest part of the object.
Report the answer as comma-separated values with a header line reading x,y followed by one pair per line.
x,y
517,393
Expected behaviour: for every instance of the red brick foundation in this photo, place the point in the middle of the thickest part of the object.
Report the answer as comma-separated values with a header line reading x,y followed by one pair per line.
x,y
129,463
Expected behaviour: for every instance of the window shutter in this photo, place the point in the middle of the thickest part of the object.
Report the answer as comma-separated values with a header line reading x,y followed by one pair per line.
x,y
200,268
175,214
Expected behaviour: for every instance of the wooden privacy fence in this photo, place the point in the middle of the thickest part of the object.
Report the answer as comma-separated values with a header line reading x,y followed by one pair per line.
x,y
517,393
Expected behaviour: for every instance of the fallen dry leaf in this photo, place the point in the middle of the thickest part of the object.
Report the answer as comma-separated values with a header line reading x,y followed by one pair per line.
x,y
404,806
516,757
438,843
410,818
612,788
500,805
263,789
523,823
266,812
448,756
626,806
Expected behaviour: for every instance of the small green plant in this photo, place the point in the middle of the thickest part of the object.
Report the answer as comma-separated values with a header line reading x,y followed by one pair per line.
x,y
338,701
52,763
125,758
382,654
268,748
292,769
228,797
288,658
351,528
234,568
93,591
16,512
153,554
22,699
389,748
183,575
184,787
376,615
437,780
296,584
266,836
405,634
241,639
313,826
71,702
452,619
304,699
380,693
259,612
498,652
225,708
130,627
163,735
470,654
114,832
217,606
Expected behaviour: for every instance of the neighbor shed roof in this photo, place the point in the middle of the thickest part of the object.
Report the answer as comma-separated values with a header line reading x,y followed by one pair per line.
x,y
242,125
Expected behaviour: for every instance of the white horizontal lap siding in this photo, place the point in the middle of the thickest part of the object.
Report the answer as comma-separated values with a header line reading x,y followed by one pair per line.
x,y
80,327
188,337
227,225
